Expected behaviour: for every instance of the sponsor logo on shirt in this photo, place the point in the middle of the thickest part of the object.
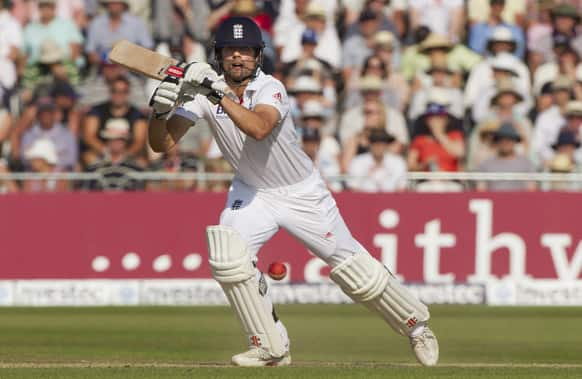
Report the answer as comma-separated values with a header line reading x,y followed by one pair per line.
x,y
220,113
277,96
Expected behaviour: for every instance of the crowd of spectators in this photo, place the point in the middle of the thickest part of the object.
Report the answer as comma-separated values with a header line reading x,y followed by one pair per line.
x,y
378,88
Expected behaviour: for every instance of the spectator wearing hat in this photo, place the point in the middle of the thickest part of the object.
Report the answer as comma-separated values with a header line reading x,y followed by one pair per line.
x,y
548,127
506,160
502,101
64,33
385,45
543,101
437,140
308,64
395,89
378,170
437,48
323,149
288,35
51,67
306,88
360,45
94,144
11,41
353,120
565,65
480,32
444,17
46,126
42,158
116,163
501,106
566,159
441,80
116,24
573,117
562,164
412,59
502,66
314,116
567,143
481,146
565,20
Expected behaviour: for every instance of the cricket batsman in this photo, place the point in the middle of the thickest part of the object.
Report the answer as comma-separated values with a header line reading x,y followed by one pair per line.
x,y
275,186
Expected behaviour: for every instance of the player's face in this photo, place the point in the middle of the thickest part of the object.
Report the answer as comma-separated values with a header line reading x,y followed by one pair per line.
x,y
238,62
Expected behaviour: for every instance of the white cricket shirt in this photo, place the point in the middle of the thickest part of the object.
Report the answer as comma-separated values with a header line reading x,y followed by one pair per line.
x,y
277,160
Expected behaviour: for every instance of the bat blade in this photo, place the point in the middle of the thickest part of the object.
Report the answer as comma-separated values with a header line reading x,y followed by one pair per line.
x,y
144,61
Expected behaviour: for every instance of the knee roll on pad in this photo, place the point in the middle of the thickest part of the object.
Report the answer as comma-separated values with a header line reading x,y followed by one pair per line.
x,y
367,281
233,268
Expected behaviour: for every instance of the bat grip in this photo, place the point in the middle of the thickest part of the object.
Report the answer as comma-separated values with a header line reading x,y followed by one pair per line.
x,y
207,83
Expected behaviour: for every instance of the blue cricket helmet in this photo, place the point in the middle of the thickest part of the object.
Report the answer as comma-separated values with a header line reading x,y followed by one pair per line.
x,y
238,32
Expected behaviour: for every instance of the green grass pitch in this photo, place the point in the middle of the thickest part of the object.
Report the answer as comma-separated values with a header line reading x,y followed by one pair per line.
x,y
328,341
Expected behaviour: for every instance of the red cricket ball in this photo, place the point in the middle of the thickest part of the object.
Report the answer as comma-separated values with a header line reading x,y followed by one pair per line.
x,y
277,270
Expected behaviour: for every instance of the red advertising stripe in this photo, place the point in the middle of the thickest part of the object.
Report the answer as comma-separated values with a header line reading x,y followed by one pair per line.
x,y
433,238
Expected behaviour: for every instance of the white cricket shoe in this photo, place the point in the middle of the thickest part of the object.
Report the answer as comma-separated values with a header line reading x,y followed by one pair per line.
x,y
257,357
425,347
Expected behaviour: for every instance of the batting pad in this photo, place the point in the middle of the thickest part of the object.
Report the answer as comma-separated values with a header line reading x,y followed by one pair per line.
x,y
232,267
367,281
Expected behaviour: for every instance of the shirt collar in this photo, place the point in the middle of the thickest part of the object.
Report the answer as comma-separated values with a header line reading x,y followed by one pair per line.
x,y
254,84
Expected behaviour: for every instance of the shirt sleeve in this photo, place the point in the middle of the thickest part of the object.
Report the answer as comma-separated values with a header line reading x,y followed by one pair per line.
x,y
273,93
191,110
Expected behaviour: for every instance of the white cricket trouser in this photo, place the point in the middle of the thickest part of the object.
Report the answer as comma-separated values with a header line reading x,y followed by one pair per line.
x,y
306,210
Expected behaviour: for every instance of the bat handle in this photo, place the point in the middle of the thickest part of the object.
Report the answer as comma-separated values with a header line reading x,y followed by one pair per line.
x,y
207,83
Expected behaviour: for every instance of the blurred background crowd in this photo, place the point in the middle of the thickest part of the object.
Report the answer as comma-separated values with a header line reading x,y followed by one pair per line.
x,y
378,89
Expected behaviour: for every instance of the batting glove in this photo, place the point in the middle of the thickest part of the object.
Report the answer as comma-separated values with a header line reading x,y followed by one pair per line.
x,y
202,79
195,73
165,97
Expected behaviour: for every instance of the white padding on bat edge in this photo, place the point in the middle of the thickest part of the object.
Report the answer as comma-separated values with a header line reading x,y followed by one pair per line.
x,y
232,267
367,281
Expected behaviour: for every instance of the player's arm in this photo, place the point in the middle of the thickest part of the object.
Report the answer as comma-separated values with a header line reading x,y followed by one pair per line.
x,y
165,128
165,134
257,123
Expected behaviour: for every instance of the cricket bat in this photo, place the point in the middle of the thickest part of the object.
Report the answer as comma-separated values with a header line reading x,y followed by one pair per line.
x,y
147,62
144,61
